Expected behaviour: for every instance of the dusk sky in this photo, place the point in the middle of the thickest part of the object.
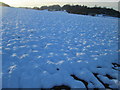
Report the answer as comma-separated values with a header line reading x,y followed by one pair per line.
x,y
32,3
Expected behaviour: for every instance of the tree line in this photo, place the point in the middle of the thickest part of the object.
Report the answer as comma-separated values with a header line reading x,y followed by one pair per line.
x,y
77,9
84,10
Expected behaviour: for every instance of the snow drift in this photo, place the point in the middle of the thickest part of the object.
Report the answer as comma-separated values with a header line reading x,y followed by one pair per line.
x,y
42,49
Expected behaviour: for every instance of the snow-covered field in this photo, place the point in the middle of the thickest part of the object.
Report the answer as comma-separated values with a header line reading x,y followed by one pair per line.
x,y
42,49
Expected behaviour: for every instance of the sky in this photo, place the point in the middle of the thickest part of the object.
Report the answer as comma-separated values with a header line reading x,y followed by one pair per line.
x,y
31,3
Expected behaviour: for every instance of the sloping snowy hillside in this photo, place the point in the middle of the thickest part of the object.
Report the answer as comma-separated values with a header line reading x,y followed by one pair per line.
x,y
42,49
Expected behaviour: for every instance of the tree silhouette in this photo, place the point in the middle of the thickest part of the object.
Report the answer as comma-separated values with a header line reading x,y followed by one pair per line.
x,y
84,10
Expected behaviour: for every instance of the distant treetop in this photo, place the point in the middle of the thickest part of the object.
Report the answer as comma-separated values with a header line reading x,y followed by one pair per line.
x,y
3,4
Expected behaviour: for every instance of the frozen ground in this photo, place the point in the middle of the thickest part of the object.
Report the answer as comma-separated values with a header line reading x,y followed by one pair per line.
x,y
42,49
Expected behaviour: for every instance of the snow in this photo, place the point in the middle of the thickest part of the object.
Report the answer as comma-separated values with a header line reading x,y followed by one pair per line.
x,y
42,49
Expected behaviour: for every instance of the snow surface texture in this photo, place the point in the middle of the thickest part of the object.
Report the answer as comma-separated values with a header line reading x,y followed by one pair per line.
x,y
42,49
